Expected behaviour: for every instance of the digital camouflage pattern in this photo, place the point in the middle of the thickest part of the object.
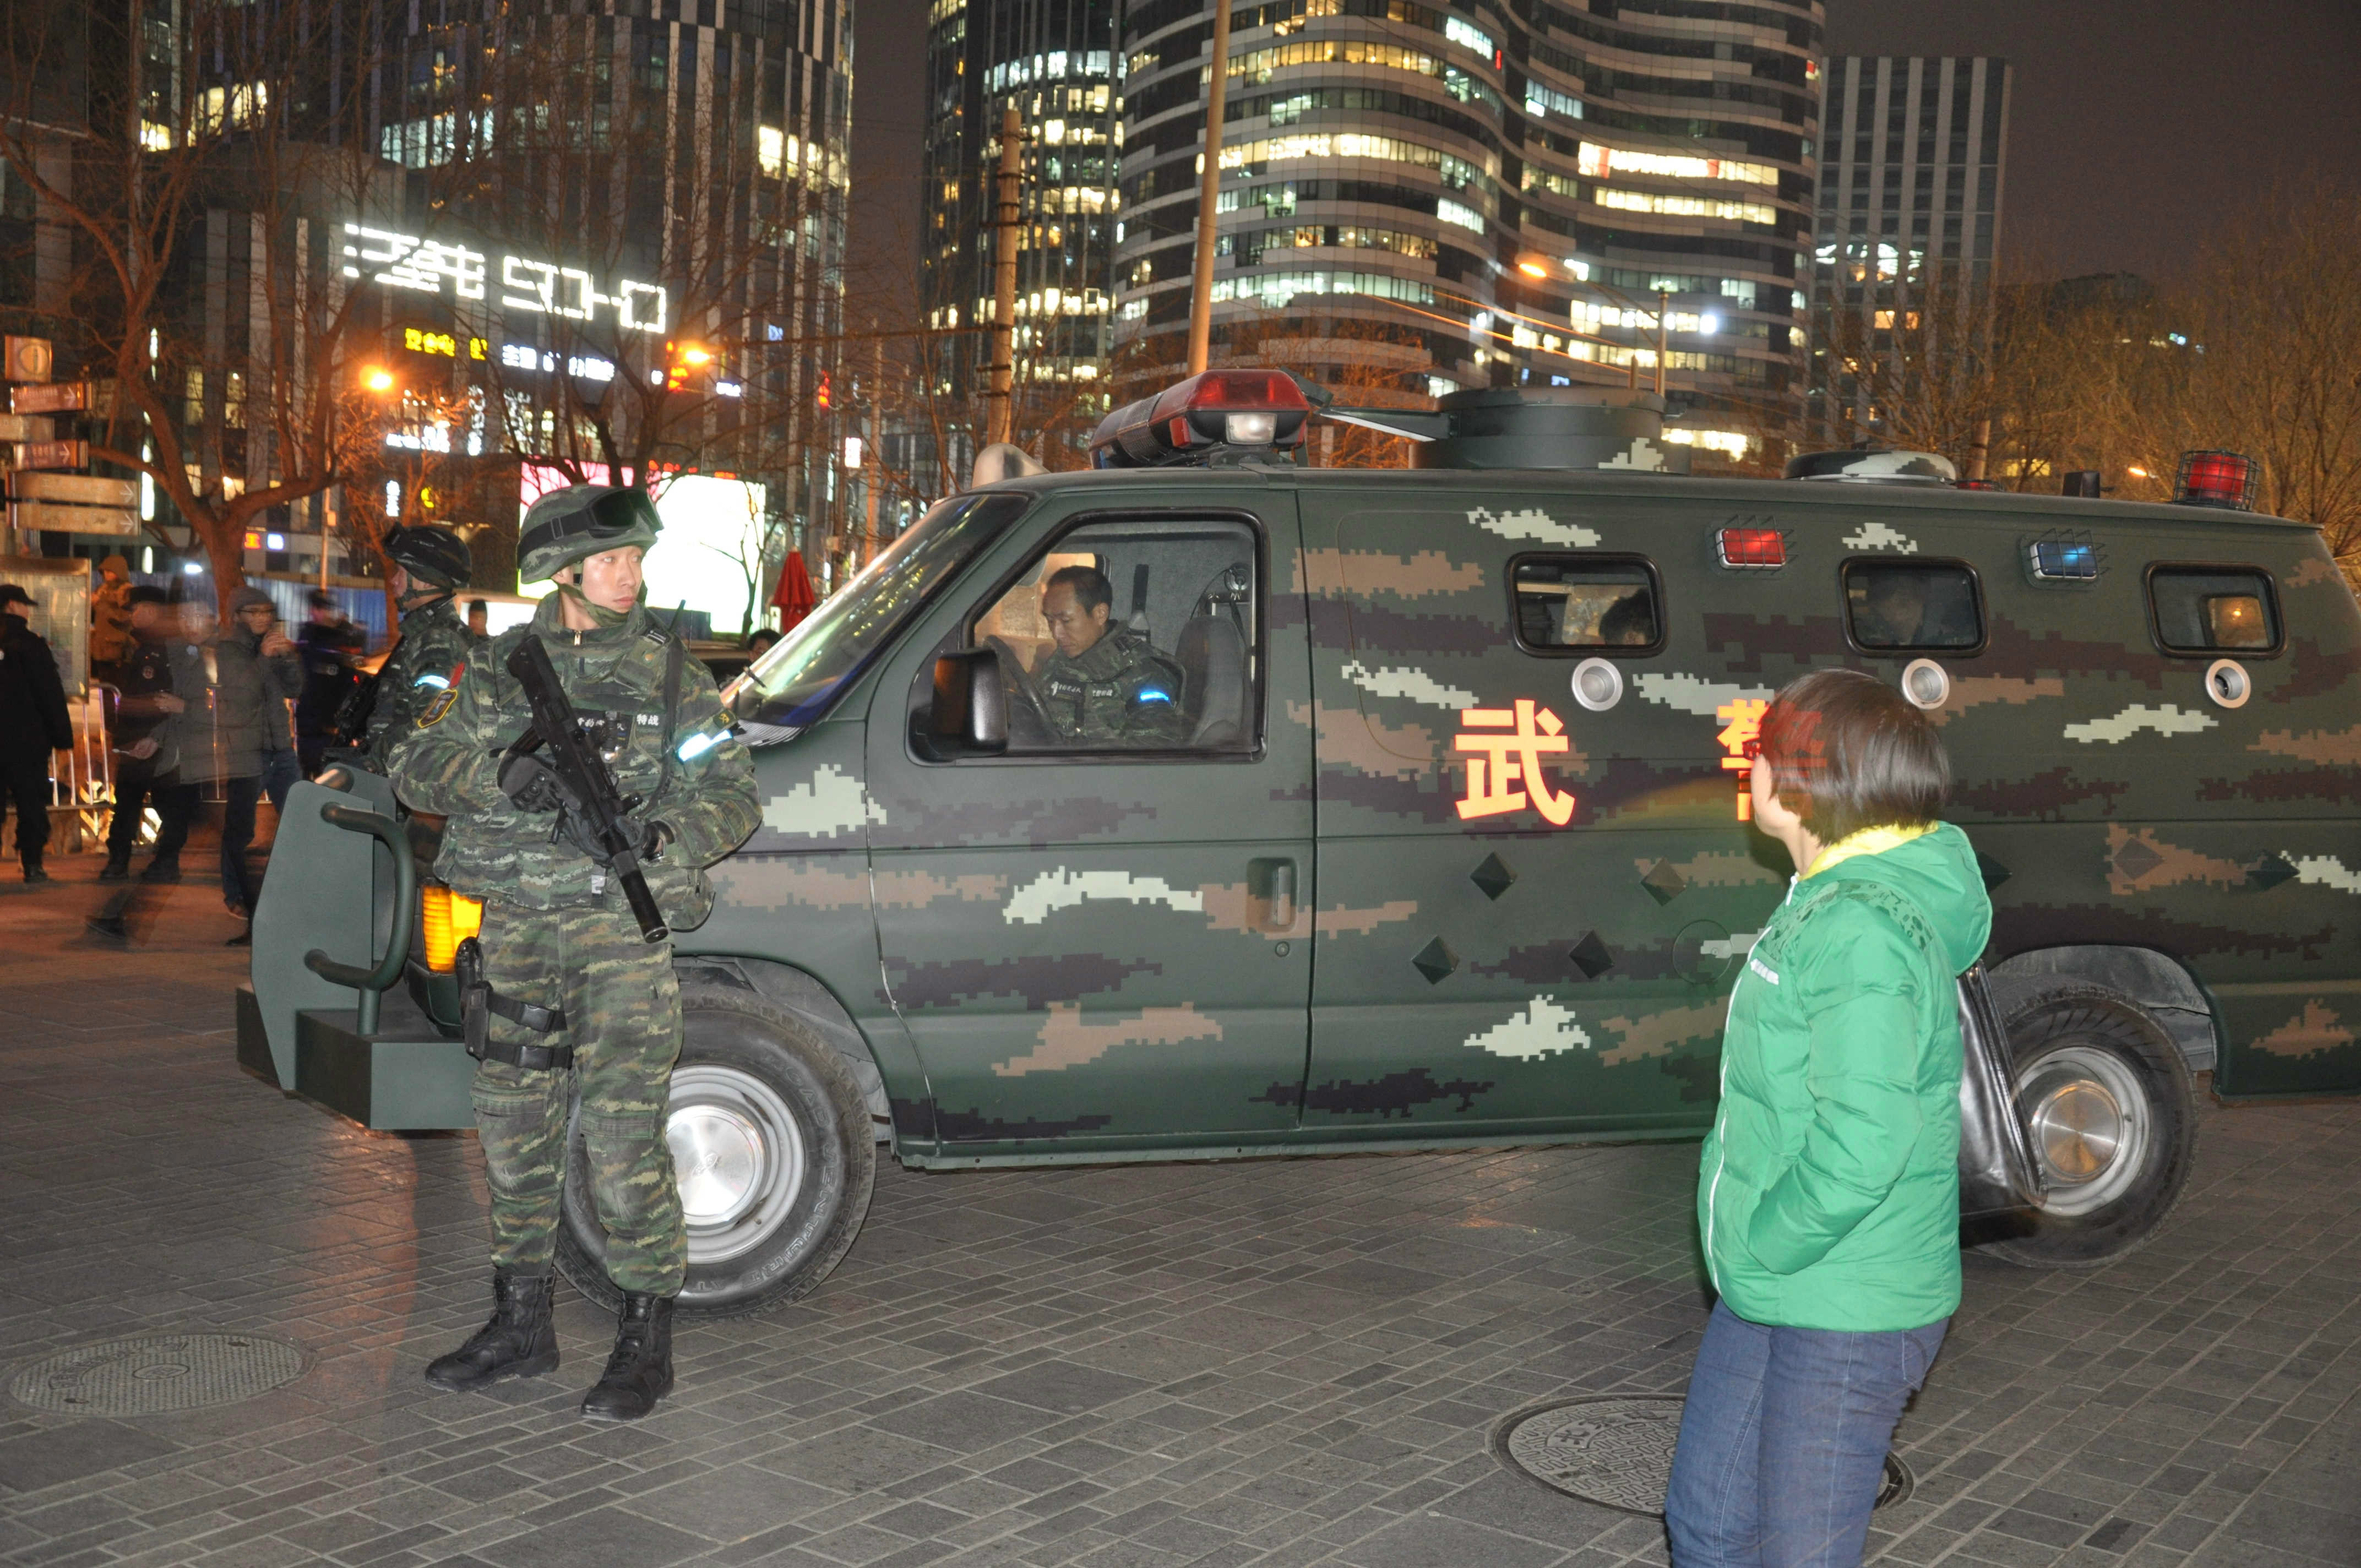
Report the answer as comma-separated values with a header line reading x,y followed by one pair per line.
x,y
623,1013
701,785
1118,691
434,644
1527,914
557,931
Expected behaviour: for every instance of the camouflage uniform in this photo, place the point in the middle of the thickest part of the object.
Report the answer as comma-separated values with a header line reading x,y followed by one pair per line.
x,y
435,642
557,933
1118,691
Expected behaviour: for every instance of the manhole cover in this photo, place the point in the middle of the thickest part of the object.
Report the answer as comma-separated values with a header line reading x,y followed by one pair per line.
x,y
154,1373
1616,1450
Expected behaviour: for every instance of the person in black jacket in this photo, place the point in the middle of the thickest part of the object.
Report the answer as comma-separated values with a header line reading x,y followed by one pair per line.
x,y
146,732
332,647
33,723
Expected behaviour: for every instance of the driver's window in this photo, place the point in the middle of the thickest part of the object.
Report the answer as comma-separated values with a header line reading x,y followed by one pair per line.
x,y
1131,636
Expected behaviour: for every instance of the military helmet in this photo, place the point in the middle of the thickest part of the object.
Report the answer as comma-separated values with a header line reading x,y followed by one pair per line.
x,y
566,525
433,556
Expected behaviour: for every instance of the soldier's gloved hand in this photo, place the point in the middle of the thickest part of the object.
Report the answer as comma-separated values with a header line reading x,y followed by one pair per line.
x,y
532,784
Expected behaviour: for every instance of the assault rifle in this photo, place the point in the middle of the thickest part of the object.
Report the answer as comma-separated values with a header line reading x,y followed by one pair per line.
x,y
597,814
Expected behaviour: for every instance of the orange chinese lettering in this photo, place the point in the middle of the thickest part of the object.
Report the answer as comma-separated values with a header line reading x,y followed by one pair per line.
x,y
1742,720
1513,757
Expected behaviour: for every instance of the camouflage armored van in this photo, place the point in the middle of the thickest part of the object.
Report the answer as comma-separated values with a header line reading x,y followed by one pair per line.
x,y
1451,849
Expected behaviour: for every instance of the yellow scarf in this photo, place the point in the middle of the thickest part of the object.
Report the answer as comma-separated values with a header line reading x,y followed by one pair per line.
x,y
1868,841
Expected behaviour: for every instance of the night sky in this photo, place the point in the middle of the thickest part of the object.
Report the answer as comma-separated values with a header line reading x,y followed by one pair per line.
x,y
2138,128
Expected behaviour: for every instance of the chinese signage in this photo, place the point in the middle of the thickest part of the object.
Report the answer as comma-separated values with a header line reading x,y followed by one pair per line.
x,y
522,282
1741,729
1504,748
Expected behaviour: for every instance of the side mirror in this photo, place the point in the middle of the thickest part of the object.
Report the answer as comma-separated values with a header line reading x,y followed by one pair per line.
x,y
970,717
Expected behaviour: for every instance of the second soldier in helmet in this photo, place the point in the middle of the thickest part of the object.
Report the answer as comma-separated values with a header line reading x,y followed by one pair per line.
x,y
430,566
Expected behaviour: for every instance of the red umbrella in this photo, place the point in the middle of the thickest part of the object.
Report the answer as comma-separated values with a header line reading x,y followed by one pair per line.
x,y
793,599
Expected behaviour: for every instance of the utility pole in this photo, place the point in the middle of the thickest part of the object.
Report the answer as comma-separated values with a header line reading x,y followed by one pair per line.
x,y
998,412
1209,190
874,464
1664,304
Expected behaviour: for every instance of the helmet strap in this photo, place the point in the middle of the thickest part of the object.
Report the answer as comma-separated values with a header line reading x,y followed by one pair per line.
x,y
597,612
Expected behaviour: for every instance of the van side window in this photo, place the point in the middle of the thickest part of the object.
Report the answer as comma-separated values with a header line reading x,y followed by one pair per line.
x,y
1132,636
2214,610
1913,606
1586,601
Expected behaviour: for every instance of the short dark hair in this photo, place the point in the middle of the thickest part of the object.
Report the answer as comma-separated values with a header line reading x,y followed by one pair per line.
x,y
474,605
1089,585
321,599
1848,752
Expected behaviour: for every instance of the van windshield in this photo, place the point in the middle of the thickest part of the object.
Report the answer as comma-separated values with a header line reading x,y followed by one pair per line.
x,y
795,683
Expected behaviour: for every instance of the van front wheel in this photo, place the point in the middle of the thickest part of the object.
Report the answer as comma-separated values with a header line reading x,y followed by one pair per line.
x,y
773,1151
2112,1112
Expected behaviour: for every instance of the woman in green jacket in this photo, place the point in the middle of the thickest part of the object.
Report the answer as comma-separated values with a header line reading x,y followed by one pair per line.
x,y
1829,1193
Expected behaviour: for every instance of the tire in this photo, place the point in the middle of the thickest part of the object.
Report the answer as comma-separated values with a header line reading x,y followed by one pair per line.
x,y
771,1139
2108,1100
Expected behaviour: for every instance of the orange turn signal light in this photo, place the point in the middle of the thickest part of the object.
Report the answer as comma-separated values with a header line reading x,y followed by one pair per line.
x,y
449,918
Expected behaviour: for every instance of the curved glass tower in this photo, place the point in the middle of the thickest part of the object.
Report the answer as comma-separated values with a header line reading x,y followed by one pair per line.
x,y
1493,194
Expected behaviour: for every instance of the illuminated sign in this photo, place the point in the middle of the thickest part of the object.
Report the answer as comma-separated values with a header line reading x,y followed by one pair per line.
x,y
583,367
544,288
1597,163
1504,748
419,340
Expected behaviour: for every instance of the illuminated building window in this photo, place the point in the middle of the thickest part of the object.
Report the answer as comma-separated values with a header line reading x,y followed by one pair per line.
x,y
1686,206
1597,163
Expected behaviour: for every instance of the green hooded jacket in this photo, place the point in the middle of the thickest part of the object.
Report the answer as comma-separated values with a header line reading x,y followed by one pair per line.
x,y
1829,1193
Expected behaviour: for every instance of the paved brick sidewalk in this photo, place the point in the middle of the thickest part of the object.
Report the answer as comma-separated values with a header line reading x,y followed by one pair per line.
x,y
1273,1363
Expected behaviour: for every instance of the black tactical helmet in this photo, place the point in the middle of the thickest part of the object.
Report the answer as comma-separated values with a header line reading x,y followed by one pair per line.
x,y
435,555
564,525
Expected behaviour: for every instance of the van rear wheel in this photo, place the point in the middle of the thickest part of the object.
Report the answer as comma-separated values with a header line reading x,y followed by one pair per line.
x,y
772,1147
2112,1112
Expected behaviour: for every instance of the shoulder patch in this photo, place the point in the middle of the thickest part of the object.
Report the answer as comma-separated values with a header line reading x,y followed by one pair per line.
x,y
658,638
441,706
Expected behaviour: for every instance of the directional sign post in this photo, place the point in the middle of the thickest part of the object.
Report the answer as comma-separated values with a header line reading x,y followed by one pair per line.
x,y
53,454
78,489
57,398
74,519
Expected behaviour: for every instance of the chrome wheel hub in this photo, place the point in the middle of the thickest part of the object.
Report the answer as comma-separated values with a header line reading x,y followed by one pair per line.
x,y
738,1154
2089,1120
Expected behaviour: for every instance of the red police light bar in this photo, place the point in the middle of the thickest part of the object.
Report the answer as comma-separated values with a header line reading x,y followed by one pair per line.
x,y
1752,549
1215,414
2217,479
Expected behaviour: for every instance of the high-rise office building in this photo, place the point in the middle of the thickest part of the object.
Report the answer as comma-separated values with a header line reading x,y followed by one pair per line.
x,y
1495,195
1908,225
1055,62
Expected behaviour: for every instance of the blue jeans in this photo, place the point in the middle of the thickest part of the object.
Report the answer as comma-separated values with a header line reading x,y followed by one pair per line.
x,y
1784,1442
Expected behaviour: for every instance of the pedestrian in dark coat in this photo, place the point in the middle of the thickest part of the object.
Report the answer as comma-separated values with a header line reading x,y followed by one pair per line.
x,y
146,730
332,647
33,723
257,676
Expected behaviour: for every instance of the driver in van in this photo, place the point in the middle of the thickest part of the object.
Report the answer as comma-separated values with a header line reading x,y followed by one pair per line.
x,y
1106,684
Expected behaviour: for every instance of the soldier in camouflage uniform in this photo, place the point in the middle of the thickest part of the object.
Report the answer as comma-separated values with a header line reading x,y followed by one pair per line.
x,y
1106,684
431,564
572,982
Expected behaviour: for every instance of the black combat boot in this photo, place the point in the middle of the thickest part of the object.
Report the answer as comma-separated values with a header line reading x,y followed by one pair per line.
x,y
519,1342
640,1372
114,870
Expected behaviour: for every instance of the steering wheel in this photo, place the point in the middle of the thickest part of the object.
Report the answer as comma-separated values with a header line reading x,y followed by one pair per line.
x,y
1028,725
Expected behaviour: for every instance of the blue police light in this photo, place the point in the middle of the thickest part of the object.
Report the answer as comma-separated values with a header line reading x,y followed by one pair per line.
x,y
697,745
440,683
2064,560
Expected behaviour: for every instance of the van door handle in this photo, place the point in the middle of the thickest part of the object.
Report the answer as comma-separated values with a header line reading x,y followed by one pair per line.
x,y
1271,883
